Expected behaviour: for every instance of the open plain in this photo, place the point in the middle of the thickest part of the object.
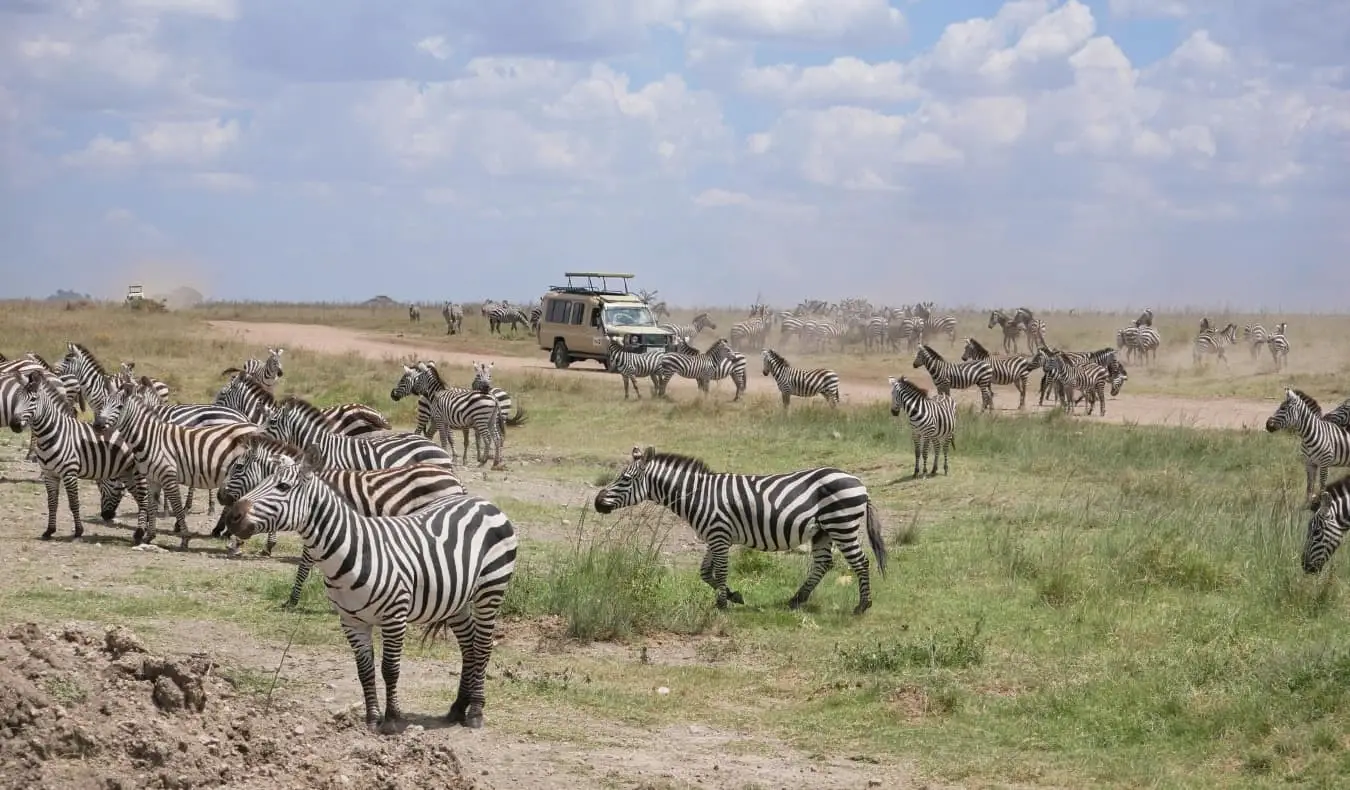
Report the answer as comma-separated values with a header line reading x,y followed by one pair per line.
x,y
1081,602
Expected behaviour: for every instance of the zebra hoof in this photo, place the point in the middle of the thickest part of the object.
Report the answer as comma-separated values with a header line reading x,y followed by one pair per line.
x,y
473,718
735,597
291,604
108,516
47,535
388,725
138,537
794,603
862,607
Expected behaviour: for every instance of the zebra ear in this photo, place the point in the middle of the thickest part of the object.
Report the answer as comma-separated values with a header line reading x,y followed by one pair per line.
x,y
637,453
311,460
649,453
893,380
34,379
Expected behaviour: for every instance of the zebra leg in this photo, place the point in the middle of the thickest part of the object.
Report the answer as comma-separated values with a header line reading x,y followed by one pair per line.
x,y
271,542
1021,384
53,500
72,484
474,633
987,398
918,443
713,571
787,398
932,443
391,654
822,557
175,500
359,637
187,501
946,452
301,576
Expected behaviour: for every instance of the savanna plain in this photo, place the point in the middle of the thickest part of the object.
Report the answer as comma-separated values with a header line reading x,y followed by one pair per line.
x,y
1080,602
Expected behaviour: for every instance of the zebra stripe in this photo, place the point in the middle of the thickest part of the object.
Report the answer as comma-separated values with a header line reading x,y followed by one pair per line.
x,y
446,567
66,449
932,422
800,382
128,372
1327,526
454,318
168,455
698,324
298,422
765,512
1089,379
371,492
719,362
957,375
749,333
452,408
1339,415
1014,369
266,372
1279,347
1256,335
1211,342
93,378
1323,444
632,365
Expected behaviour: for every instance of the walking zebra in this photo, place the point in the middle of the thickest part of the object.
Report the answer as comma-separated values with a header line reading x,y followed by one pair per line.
x,y
800,382
1256,335
932,422
765,512
717,363
1327,526
634,365
957,375
1211,342
450,409
933,326
414,313
265,372
1279,347
1323,444
1139,341
503,313
1088,378
370,492
454,318
446,567
1013,369
699,323
67,450
168,455
749,333
298,422
1012,331
1106,357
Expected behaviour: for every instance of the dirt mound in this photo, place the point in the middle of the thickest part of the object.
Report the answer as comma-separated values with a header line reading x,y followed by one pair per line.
x,y
82,710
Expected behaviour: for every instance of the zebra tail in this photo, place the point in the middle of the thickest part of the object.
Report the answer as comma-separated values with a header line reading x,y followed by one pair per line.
x,y
230,371
875,538
518,419
434,631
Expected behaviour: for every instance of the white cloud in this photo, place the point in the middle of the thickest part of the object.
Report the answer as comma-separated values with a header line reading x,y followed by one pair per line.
x,y
823,20
843,80
435,46
166,142
225,10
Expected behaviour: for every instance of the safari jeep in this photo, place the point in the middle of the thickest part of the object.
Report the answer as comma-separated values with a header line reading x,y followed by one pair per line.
x,y
580,318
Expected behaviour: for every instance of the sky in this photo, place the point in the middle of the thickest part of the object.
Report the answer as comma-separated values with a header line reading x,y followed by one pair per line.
x,y
969,152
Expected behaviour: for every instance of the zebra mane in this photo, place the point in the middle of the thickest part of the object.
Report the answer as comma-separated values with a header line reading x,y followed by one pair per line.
x,y
251,386
306,409
978,346
81,350
770,354
909,386
36,357
931,352
429,368
687,462
45,386
1308,401
259,443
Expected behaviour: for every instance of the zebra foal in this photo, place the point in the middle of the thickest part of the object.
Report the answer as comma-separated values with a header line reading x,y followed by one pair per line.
x,y
801,382
1327,526
446,567
765,512
932,422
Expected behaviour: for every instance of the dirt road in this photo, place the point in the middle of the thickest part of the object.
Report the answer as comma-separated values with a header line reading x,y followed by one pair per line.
x,y
1140,409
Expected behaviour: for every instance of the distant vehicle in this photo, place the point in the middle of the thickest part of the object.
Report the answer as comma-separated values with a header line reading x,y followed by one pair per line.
x,y
135,294
581,318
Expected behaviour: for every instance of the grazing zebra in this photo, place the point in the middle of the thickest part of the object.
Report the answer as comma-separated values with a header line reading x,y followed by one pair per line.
x,y
719,362
454,318
450,409
169,455
1326,528
1012,331
1088,378
634,365
67,450
1339,415
128,373
957,375
932,422
503,313
691,329
265,372
800,382
1211,342
1323,444
298,422
1256,335
446,567
371,492
766,512
1013,369
1279,347
414,313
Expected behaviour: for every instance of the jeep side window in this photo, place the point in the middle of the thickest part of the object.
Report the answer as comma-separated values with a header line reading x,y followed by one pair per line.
x,y
595,317
578,313
557,311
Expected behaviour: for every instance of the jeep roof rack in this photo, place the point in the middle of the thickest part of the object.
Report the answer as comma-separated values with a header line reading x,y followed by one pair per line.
x,y
596,283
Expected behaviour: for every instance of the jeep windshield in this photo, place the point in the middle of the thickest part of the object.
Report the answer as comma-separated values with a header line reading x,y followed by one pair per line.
x,y
625,315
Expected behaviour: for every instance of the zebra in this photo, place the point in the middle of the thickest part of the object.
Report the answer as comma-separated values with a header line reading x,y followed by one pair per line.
x,y
80,364
1323,444
1339,415
932,422
1327,526
265,372
463,409
1145,318
371,492
1256,335
482,382
699,323
749,333
1211,342
503,313
1140,341
1013,369
1106,357
128,372
943,324
1088,378
776,512
68,450
168,455
633,365
800,382
346,419
446,567
1033,327
414,313
298,422
454,318
959,375
719,362
67,383
1279,347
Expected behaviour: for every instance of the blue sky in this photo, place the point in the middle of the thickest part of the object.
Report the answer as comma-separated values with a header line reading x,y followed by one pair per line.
x,y
1112,153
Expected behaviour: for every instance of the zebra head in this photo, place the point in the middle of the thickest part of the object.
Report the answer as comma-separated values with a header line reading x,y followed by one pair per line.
x,y
926,356
18,399
773,361
1118,376
1297,410
974,350
124,401
482,376
247,472
406,382
1327,525
272,365
996,318
280,501
904,394
630,486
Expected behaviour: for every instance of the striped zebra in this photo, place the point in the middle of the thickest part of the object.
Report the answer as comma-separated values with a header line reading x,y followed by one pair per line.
x,y
346,419
717,363
482,382
1088,379
749,333
67,449
453,408
94,380
264,371
699,323
775,512
633,365
1279,347
939,325
298,422
454,318
446,567
70,383
1323,444
414,313
370,492
168,455
1210,342
503,313
1140,342
128,373
1145,318
932,422
1013,369
801,382
1032,327
1106,357
957,375
1256,335
1339,415
1327,526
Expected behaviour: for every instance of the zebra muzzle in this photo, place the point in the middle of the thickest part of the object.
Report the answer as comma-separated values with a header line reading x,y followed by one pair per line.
x,y
16,425
603,505
236,519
